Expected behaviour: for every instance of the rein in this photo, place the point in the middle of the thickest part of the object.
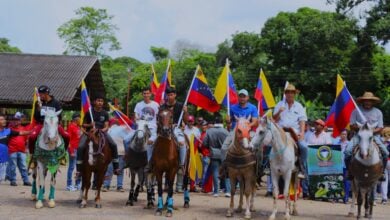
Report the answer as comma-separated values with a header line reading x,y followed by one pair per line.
x,y
101,143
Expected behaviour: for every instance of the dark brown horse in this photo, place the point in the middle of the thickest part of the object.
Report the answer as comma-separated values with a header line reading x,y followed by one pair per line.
x,y
164,160
95,161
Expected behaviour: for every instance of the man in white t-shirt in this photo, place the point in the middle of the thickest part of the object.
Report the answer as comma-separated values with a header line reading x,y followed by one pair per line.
x,y
190,128
147,110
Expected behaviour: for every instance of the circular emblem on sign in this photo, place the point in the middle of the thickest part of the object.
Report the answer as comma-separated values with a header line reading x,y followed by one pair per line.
x,y
324,153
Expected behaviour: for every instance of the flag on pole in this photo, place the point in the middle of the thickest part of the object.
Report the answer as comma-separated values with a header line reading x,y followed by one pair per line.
x,y
85,102
200,93
165,82
154,84
195,165
224,85
35,101
341,109
122,118
263,94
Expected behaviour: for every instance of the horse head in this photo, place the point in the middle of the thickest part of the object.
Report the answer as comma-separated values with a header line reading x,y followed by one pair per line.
x,y
263,135
242,132
50,128
366,135
165,121
141,136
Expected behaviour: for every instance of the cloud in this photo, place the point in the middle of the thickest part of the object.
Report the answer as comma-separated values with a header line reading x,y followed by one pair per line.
x,y
32,25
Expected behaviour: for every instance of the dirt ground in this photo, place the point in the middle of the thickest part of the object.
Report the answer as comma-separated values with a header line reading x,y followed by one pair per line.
x,y
15,203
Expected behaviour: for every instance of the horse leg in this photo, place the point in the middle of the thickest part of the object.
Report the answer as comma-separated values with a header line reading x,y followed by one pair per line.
x,y
85,187
41,184
99,183
132,183
160,191
34,185
360,202
186,191
51,202
139,184
247,200
371,204
233,184
352,207
296,185
287,179
275,184
240,202
171,179
150,191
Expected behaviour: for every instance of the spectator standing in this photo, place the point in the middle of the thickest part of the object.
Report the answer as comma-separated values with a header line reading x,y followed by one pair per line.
x,y
74,132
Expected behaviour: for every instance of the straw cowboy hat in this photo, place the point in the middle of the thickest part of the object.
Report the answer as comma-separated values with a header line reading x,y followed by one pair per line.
x,y
291,87
368,96
320,122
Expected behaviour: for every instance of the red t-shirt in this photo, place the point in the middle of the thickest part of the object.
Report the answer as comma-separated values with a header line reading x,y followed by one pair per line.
x,y
18,143
74,137
205,151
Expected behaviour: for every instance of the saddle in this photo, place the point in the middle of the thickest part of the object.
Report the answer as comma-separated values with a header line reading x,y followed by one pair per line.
x,y
240,161
294,137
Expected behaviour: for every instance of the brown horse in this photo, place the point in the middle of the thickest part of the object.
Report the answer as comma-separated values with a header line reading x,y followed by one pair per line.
x,y
241,165
96,160
164,160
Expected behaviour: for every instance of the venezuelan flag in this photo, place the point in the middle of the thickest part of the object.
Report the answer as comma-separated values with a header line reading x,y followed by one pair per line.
x,y
263,94
200,93
341,109
165,83
122,118
85,102
154,84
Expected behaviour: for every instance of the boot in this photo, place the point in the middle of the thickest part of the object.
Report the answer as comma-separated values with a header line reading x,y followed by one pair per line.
x,y
301,170
383,177
78,170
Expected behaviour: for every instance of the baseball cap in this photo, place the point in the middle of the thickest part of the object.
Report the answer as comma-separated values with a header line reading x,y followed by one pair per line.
x,y
243,92
191,118
43,89
18,115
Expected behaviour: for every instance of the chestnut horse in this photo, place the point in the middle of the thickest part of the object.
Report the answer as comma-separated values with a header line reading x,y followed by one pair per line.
x,y
164,160
96,160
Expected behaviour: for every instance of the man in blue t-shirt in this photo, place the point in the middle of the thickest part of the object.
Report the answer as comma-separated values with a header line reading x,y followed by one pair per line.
x,y
243,109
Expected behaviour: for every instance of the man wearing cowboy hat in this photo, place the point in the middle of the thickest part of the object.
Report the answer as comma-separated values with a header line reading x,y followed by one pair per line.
x,y
290,115
319,136
373,116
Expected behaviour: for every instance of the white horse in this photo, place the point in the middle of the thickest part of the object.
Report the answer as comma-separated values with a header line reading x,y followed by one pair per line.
x,y
136,158
282,161
49,149
366,167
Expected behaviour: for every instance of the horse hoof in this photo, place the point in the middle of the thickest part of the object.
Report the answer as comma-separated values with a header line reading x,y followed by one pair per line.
x,y
229,214
51,203
79,201
350,214
247,216
98,206
158,212
129,203
33,197
38,204
83,205
186,205
294,212
168,214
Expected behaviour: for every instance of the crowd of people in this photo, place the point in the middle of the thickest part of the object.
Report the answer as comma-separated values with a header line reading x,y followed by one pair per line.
x,y
212,138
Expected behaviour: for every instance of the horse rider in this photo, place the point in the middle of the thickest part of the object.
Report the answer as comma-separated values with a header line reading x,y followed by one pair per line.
x,y
100,121
290,115
372,115
243,109
48,103
147,110
177,107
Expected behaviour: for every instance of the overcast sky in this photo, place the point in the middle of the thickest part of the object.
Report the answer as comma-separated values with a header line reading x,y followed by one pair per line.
x,y
31,25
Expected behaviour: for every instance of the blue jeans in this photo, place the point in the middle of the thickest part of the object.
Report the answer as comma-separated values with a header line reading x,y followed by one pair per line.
x,y
72,163
347,185
205,163
228,187
109,173
17,159
214,166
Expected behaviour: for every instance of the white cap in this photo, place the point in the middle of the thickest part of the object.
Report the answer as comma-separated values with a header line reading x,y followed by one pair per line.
x,y
18,115
243,92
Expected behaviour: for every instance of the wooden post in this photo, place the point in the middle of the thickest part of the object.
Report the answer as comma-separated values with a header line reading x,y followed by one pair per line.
x,y
128,91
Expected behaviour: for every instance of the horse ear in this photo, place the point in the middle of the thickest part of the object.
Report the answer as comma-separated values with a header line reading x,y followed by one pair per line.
x,y
372,126
58,112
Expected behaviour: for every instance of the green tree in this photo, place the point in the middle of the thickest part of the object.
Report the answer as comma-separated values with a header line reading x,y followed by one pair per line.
x,y
309,48
91,33
5,47
159,53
